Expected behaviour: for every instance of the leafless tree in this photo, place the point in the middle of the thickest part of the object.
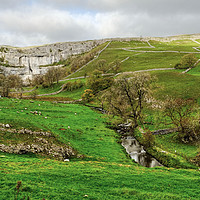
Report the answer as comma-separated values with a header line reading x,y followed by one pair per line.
x,y
181,114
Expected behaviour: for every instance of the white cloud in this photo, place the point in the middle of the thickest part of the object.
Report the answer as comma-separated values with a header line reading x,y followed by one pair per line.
x,y
27,22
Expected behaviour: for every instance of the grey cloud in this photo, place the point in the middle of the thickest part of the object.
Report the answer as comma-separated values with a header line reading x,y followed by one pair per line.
x,y
46,21
11,4
150,6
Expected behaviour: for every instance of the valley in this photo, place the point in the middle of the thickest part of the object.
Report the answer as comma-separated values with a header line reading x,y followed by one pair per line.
x,y
97,166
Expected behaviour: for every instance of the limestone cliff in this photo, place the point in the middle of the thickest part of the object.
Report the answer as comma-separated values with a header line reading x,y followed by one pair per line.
x,y
27,61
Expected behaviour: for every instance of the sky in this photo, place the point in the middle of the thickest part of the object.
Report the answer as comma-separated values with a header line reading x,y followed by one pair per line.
x,y
37,22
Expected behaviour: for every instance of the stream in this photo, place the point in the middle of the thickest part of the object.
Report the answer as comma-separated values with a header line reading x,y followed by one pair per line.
x,y
135,149
132,146
137,152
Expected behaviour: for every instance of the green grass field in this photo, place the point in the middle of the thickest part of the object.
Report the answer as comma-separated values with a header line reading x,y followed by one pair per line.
x,y
143,60
51,179
104,172
102,168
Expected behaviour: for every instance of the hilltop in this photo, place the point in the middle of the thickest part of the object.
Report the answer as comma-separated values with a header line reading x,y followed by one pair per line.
x,y
29,61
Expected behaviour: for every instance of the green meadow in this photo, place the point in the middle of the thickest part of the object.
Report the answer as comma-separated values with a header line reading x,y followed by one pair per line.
x,y
102,169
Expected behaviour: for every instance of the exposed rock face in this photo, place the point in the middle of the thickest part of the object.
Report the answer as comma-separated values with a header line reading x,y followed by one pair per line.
x,y
41,144
27,61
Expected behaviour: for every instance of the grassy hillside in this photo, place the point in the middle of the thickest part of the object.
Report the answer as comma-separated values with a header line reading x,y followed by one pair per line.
x,y
141,56
51,179
102,171
101,168
138,60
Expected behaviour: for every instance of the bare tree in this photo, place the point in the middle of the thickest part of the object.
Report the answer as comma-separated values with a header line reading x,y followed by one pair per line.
x,y
58,73
127,97
38,80
15,81
54,74
181,114
8,82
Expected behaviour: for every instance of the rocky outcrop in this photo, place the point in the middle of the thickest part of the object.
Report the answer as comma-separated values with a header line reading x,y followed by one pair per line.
x,y
28,61
6,128
42,143
52,150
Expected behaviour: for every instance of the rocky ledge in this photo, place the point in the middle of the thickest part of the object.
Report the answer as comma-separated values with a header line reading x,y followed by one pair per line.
x,y
42,143
27,61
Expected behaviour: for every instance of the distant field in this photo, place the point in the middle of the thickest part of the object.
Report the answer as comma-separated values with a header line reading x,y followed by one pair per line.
x,y
177,45
143,60
128,44
176,84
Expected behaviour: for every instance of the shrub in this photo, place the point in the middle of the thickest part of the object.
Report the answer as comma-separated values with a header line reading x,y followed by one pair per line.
x,y
188,60
178,66
70,86
181,114
34,94
87,96
148,139
96,82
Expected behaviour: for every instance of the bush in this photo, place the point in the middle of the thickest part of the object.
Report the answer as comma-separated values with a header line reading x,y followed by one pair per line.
x,y
191,131
196,160
34,94
96,82
148,139
178,66
87,96
70,86
181,114
188,61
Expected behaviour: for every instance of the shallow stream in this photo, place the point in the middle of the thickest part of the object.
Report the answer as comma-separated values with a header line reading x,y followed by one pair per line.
x,y
137,152
133,147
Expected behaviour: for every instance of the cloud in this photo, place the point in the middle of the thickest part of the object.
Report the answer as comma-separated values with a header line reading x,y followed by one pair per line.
x,y
150,6
28,22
